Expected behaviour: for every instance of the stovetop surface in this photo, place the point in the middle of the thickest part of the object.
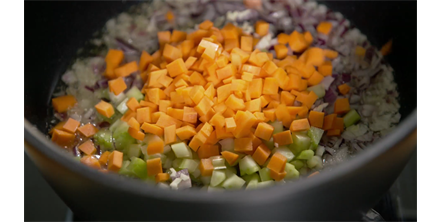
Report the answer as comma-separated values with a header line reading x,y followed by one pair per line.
x,y
399,204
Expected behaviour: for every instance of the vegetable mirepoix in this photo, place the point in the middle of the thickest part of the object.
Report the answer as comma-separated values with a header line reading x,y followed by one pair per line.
x,y
213,109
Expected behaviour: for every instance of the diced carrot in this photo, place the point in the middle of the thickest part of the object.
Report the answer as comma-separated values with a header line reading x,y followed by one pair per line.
x,y
283,138
287,98
162,177
133,104
154,166
277,162
386,48
91,162
254,105
326,69
145,59
297,42
221,133
59,126
270,114
235,103
154,95
316,119
230,157
328,121
344,89
178,36
315,79
307,100
283,115
206,25
271,86
105,109
315,56
300,125
230,44
229,31
225,72
247,43
113,60
198,140
163,37
62,138
261,28
126,69
128,115
115,161
117,86
163,105
342,106
333,132
324,28
71,125
243,144
206,167
338,123
185,132
87,130
203,106
212,139
176,67
171,53
166,120
152,128
87,147
283,38
230,124
261,154
264,131
104,158
277,176
136,133
170,134
330,53
155,145
281,51
206,129
308,37
206,151
218,120
62,104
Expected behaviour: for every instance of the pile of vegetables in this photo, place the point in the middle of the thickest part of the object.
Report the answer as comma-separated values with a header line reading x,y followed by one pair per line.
x,y
211,106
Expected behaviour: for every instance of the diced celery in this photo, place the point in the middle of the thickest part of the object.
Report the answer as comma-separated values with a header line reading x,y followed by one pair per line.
x,y
112,119
156,155
233,182
176,163
315,161
122,107
320,151
211,189
264,184
270,144
227,144
189,164
104,139
318,90
102,93
167,163
218,163
122,137
285,151
315,135
292,173
278,126
252,185
181,150
135,92
134,150
116,99
248,166
298,164
300,142
251,177
351,118
230,171
264,174
206,179
166,149
196,173
305,155
77,158
303,171
136,168
115,125
218,176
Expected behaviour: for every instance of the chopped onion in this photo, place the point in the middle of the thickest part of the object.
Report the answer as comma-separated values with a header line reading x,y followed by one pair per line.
x,y
327,81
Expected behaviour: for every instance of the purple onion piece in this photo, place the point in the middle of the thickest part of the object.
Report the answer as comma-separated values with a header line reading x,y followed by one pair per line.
x,y
103,125
346,77
89,88
126,47
330,96
102,83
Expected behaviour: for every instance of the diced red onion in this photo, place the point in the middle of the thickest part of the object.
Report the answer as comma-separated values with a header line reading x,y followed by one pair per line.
x,y
330,96
89,88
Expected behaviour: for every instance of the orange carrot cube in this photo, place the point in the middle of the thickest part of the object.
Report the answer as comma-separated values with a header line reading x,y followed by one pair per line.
x,y
105,109
342,106
283,138
154,166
